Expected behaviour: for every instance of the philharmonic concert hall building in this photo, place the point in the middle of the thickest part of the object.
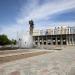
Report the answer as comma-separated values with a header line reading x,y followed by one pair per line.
x,y
62,35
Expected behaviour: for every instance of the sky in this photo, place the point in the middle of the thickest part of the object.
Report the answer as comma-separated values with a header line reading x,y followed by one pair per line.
x,y
15,14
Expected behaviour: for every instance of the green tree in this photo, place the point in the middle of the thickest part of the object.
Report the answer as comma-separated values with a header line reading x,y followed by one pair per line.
x,y
4,40
14,41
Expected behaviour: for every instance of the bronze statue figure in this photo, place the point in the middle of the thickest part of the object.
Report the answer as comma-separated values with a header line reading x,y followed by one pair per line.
x,y
31,26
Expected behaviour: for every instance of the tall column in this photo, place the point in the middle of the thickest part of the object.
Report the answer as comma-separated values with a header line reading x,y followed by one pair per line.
x,y
42,41
46,40
72,40
61,40
38,41
31,26
56,41
67,40
51,40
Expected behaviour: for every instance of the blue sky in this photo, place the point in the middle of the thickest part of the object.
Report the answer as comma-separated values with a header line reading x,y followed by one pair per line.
x,y
15,14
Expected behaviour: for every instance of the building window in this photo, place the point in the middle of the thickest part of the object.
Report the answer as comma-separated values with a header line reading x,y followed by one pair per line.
x,y
53,38
40,43
59,43
36,39
64,38
44,37
49,43
44,43
64,43
36,43
54,43
58,38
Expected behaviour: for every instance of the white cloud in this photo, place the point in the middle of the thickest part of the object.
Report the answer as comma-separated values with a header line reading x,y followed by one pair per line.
x,y
39,12
12,30
32,10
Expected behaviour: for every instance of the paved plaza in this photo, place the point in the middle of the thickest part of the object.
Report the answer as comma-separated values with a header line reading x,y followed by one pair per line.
x,y
53,62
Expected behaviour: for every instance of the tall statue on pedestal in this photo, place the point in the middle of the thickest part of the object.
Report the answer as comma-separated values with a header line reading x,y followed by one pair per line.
x,y
31,27
26,40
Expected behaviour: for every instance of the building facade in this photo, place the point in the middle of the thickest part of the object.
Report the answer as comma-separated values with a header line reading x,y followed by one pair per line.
x,y
63,35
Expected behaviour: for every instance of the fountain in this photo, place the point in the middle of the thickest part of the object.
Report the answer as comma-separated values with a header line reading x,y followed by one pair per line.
x,y
26,41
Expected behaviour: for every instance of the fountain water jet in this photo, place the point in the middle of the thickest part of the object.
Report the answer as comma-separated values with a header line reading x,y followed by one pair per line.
x,y
26,41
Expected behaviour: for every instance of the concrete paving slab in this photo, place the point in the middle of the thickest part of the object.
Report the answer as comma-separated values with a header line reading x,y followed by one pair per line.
x,y
56,63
